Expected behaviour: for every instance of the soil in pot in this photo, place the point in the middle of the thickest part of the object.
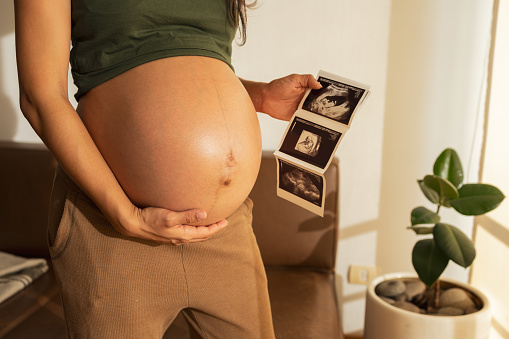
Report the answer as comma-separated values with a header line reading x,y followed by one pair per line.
x,y
412,295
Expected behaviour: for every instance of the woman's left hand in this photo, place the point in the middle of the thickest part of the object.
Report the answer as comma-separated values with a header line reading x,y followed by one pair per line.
x,y
281,97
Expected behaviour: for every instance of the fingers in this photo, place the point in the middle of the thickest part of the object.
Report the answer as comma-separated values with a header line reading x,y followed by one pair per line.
x,y
307,80
301,82
175,228
186,217
191,234
170,227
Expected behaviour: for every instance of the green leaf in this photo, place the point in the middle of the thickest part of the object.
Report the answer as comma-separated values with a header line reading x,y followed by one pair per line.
x,y
445,189
422,215
448,166
421,229
455,244
477,199
432,196
429,261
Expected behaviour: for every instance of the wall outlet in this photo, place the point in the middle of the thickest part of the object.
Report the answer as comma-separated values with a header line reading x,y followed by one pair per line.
x,y
362,275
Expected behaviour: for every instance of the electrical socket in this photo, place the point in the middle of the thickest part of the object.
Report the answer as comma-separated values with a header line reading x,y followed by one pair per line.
x,y
362,275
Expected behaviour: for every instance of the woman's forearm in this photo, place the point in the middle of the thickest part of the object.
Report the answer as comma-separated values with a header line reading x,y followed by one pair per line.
x,y
255,91
280,97
43,33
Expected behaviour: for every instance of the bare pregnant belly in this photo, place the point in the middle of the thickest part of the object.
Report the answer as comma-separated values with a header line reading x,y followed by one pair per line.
x,y
178,133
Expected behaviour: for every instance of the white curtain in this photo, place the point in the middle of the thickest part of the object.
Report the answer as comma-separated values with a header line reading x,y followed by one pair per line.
x,y
490,272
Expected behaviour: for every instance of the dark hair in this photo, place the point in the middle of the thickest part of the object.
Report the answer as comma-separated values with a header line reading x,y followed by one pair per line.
x,y
238,16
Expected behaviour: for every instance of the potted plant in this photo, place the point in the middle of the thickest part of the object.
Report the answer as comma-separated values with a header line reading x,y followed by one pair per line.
x,y
403,306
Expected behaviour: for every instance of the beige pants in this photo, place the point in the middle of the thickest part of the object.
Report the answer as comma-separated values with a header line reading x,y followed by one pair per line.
x,y
114,286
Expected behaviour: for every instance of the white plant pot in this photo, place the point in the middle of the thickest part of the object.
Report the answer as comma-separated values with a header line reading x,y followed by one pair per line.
x,y
384,321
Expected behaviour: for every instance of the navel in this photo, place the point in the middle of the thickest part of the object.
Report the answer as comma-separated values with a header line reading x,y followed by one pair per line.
x,y
227,181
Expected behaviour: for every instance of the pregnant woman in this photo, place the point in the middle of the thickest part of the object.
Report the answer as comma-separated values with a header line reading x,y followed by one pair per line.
x,y
162,150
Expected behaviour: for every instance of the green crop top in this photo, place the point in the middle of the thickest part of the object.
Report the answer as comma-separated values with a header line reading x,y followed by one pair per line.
x,y
112,36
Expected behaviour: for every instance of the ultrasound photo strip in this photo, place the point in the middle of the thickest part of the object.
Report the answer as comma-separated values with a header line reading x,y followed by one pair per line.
x,y
313,136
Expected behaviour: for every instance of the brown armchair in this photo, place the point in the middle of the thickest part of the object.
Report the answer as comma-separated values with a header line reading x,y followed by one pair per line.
x,y
298,249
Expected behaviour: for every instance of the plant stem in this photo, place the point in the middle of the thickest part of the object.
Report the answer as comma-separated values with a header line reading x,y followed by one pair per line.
x,y
437,294
438,209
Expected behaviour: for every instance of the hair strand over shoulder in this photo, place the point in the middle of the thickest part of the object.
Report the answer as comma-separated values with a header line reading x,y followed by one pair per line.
x,y
238,15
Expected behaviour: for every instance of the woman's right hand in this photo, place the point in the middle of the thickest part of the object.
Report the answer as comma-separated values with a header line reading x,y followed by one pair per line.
x,y
169,227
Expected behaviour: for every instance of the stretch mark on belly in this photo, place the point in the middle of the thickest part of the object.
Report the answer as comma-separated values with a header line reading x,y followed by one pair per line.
x,y
226,177
214,83
231,162
230,159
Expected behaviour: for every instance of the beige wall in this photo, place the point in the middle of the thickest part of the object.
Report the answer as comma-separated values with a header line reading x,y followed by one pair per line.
x,y
13,125
424,60
348,38
9,114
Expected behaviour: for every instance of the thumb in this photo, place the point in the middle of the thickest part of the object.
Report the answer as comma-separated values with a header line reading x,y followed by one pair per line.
x,y
187,217
309,81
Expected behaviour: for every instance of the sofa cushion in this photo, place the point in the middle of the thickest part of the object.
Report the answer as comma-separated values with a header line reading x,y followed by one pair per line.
x,y
26,174
289,235
303,304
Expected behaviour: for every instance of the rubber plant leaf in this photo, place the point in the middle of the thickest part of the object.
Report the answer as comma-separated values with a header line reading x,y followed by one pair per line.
x,y
429,261
421,229
432,195
477,199
422,215
455,244
448,166
445,189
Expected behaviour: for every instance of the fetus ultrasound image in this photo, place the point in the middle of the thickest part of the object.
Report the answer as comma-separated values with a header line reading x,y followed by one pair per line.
x,y
310,142
301,183
334,100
